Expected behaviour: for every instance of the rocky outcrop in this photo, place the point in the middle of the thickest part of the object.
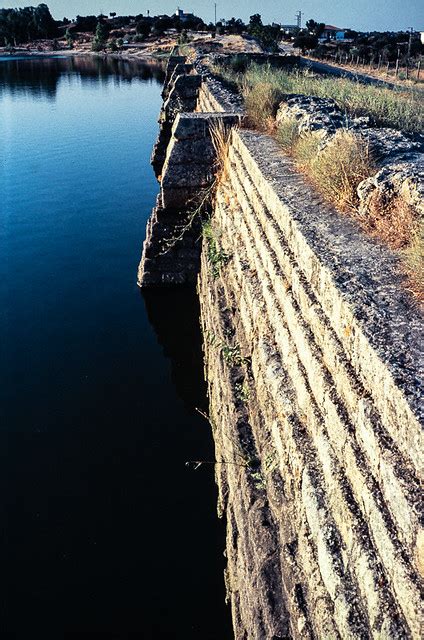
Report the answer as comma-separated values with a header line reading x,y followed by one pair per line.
x,y
312,114
387,144
400,154
399,179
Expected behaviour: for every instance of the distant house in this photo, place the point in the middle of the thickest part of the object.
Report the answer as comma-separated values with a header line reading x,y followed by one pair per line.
x,y
289,29
332,33
422,37
184,17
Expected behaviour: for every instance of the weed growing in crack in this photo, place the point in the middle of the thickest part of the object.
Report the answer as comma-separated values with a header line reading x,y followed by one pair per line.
x,y
232,355
242,391
217,258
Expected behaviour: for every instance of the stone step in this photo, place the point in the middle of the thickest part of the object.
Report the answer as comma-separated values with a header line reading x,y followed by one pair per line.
x,y
340,264
217,385
400,488
262,278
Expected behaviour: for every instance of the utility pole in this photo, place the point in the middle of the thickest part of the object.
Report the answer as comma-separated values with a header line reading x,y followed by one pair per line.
x,y
215,14
299,19
411,31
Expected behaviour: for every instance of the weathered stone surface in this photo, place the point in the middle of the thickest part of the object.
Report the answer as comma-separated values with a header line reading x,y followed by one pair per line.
x,y
165,262
312,114
197,125
185,160
178,69
400,179
173,61
386,143
180,94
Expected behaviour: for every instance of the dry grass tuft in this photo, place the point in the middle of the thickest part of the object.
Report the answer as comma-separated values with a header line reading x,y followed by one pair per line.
x,y
394,222
261,102
338,168
414,263
221,135
402,109
287,135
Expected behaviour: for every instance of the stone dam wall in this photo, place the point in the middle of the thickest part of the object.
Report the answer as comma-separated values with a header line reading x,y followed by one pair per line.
x,y
312,357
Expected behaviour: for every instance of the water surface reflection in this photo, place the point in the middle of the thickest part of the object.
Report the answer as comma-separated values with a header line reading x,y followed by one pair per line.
x,y
31,76
103,529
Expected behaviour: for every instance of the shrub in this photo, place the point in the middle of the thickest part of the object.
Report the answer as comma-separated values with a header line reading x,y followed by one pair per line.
x,y
288,134
338,168
395,222
217,258
261,101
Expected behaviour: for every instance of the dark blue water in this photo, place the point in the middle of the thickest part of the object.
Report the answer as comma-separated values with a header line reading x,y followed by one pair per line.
x,y
103,528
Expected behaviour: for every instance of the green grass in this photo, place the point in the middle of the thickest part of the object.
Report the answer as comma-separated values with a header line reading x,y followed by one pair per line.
x,y
265,85
217,258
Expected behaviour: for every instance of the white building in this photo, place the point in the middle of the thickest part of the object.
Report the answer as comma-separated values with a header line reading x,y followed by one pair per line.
x,y
183,16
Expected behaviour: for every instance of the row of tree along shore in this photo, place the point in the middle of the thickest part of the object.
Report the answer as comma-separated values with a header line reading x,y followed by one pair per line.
x,y
27,25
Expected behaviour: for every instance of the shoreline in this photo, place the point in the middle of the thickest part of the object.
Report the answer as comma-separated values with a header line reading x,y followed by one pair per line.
x,y
160,61
69,53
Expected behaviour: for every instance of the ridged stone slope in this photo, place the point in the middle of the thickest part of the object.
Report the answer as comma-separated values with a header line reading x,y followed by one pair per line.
x,y
320,391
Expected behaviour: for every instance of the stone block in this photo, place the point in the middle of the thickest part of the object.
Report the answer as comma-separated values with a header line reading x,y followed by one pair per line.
x,y
196,125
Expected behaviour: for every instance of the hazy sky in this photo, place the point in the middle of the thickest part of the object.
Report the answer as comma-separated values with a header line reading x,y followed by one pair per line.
x,y
366,15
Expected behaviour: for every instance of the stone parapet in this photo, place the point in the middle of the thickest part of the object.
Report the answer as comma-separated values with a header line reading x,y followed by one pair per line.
x,y
184,160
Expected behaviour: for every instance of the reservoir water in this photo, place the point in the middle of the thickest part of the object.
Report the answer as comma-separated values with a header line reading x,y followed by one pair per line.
x,y
103,529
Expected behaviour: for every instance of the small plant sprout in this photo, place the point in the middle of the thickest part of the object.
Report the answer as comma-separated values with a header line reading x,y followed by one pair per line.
x,y
232,355
217,258
242,391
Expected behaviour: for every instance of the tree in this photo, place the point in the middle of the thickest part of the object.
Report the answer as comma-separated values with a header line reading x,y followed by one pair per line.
x,y
255,21
267,36
235,26
44,21
183,37
28,23
112,14
143,27
315,28
69,38
100,37
305,41
160,25
86,23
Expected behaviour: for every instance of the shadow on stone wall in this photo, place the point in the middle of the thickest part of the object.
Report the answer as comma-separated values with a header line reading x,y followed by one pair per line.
x,y
174,315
